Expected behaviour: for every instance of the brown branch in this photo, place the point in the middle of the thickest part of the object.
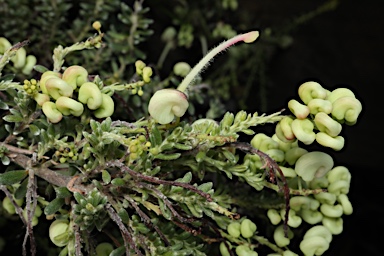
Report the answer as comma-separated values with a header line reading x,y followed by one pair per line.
x,y
47,174
146,219
127,237
156,180
273,167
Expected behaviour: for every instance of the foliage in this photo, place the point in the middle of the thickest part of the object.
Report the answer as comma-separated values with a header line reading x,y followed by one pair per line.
x,y
82,157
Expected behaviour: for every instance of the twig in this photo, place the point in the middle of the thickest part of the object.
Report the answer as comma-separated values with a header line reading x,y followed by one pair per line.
x,y
146,219
156,180
31,200
272,167
127,237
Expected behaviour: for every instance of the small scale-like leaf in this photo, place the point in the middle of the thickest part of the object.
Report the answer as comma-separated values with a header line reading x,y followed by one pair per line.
x,y
12,177
21,191
34,130
205,187
164,210
40,68
62,192
79,197
248,131
187,178
3,105
106,176
5,160
118,252
13,118
155,137
118,182
123,214
54,206
173,156
8,77
182,146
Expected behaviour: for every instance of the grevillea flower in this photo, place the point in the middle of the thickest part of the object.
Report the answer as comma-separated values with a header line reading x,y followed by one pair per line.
x,y
165,104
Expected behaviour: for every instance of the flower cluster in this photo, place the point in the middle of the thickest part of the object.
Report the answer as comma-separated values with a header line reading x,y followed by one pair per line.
x,y
320,116
67,93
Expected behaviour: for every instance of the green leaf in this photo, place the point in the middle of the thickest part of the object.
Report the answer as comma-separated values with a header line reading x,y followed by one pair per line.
x,y
173,156
21,191
12,177
8,77
123,214
164,210
182,146
54,206
13,118
3,105
248,131
155,137
186,179
106,176
118,182
34,130
118,252
5,160
62,192
40,68
79,197
205,187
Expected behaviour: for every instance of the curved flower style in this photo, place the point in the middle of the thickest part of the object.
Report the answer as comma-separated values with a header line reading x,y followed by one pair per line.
x,y
301,111
75,76
312,165
336,143
274,216
284,130
311,216
335,225
294,220
57,229
293,154
263,142
57,87
326,198
90,94
106,108
165,104
339,187
303,202
311,90
339,93
45,76
319,106
303,130
333,211
51,112
316,241
339,173
345,203
41,98
69,106
347,108
325,123
279,236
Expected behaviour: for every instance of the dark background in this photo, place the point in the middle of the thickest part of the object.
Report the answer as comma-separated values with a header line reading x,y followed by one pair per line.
x,y
345,48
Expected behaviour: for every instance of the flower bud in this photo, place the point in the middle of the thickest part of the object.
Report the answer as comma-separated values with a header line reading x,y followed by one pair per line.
x,y
165,104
